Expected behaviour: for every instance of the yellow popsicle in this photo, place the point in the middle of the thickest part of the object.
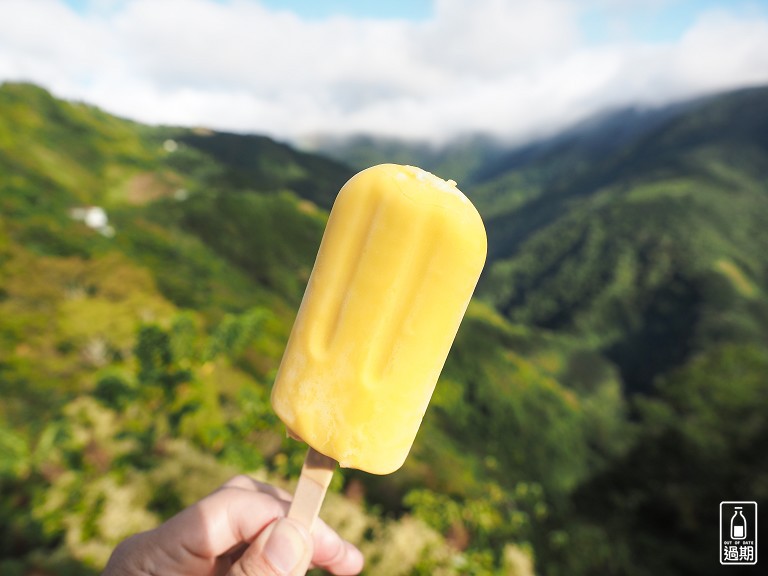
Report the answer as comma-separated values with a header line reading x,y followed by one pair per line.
x,y
399,260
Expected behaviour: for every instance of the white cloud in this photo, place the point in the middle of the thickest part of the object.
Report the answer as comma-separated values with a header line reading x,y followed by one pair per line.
x,y
722,50
513,68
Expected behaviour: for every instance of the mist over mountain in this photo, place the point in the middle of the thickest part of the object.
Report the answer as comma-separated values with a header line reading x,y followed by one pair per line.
x,y
608,386
474,158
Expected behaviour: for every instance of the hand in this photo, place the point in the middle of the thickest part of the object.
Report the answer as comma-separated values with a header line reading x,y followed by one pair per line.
x,y
238,530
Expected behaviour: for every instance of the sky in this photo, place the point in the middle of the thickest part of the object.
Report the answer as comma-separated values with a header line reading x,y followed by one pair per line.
x,y
418,69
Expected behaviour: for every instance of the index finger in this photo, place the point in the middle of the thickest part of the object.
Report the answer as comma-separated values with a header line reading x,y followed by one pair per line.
x,y
221,521
234,515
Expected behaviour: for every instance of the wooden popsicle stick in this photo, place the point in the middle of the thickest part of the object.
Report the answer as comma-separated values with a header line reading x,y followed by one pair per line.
x,y
315,477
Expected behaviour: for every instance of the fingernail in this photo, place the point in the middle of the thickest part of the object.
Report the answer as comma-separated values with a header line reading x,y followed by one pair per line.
x,y
285,547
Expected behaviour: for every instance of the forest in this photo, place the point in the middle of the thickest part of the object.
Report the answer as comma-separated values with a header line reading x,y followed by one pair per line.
x,y
608,387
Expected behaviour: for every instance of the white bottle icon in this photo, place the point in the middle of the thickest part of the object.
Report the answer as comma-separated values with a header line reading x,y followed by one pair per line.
x,y
738,525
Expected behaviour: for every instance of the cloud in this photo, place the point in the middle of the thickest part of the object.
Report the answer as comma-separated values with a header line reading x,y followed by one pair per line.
x,y
511,68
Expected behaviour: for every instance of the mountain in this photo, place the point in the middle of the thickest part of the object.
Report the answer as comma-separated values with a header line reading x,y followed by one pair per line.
x,y
141,176
604,389
148,280
641,234
458,159
650,242
472,160
640,230
252,159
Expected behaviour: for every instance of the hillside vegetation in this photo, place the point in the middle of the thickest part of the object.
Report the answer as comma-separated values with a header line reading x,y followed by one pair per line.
x,y
608,385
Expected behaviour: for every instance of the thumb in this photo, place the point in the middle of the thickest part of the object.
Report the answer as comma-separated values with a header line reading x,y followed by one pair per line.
x,y
283,549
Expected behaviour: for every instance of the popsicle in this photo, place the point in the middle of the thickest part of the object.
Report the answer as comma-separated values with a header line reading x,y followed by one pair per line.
x,y
399,260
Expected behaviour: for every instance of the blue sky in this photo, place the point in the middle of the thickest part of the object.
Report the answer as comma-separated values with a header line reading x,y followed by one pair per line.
x,y
413,69
657,21
602,21
409,9
650,20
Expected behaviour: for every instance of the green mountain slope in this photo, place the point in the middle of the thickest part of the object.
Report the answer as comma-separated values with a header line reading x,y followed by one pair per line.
x,y
137,349
460,159
641,231
655,248
138,342
641,234
257,160
173,241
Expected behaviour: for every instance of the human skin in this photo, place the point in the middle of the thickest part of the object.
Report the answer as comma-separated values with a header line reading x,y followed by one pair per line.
x,y
238,530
